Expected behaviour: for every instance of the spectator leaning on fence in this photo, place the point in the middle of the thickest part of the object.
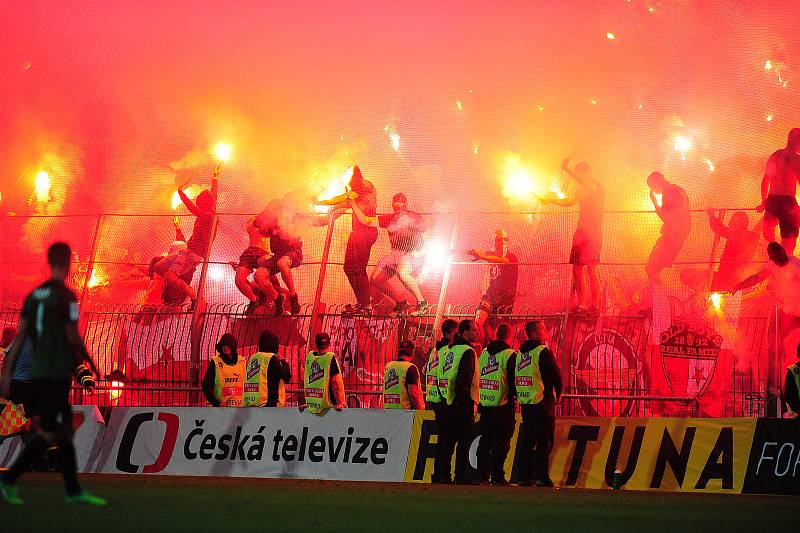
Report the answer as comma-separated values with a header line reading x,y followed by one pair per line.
x,y
401,381
791,386
324,387
267,374
223,382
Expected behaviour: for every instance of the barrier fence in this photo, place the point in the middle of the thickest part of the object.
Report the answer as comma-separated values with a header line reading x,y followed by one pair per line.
x,y
628,360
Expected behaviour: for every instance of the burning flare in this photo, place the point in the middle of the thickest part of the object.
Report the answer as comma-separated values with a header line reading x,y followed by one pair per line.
x,y
42,190
222,152
682,145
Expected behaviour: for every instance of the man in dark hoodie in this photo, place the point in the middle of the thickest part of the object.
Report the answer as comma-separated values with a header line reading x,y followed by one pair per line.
x,y
441,470
459,389
538,387
223,382
267,374
496,406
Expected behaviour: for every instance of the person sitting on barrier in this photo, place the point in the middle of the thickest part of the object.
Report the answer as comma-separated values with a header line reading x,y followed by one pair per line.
x,y
267,374
674,213
175,266
433,395
740,247
499,297
406,229
496,406
538,386
284,225
324,386
401,381
223,382
791,387
260,289
459,387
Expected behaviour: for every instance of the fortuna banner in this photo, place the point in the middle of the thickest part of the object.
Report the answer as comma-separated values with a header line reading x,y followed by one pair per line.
x,y
354,445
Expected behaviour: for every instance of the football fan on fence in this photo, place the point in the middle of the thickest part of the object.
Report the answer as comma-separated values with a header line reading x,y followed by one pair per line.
x,y
741,243
175,266
406,229
673,210
361,239
260,288
587,242
778,189
503,275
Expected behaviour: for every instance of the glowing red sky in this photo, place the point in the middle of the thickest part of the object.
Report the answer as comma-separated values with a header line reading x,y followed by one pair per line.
x,y
122,89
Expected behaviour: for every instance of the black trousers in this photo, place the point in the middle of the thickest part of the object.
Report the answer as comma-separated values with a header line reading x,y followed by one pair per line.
x,y
496,427
455,435
356,259
536,434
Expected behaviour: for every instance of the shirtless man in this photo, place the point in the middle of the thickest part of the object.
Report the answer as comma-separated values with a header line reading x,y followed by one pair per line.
x,y
778,188
676,218
504,272
588,239
257,247
740,247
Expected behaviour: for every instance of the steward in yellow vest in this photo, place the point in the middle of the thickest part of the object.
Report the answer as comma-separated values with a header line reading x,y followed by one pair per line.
x,y
441,469
538,387
496,407
267,374
324,387
458,383
791,386
401,382
223,382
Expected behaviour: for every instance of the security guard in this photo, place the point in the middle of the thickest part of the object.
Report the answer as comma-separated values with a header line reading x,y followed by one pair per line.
x,y
441,468
538,387
401,382
223,382
496,406
458,385
324,387
267,374
791,386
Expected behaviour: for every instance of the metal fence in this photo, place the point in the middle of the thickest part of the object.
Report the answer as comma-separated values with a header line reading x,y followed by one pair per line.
x,y
612,366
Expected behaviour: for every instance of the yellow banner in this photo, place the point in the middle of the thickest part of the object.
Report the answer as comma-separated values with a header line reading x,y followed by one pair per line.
x,y
669,454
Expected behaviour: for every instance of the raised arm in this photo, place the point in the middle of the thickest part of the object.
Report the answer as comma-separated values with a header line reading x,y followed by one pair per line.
x,y
193,209
488,257
753,280
563,202
361,217
338,200
716,225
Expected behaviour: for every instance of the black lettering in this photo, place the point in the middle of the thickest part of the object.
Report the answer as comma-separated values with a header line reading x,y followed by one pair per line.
x,y
316,448
379,450
633,455
668,455
333,453
238,451
350,431
363,443
129,437
277,440
289,448
426,450
303,438
223,446
207,446
720,461
582,435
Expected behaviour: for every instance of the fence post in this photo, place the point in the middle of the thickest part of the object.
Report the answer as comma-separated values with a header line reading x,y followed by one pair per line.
x,y
90,264
198,318
323,268
446,276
